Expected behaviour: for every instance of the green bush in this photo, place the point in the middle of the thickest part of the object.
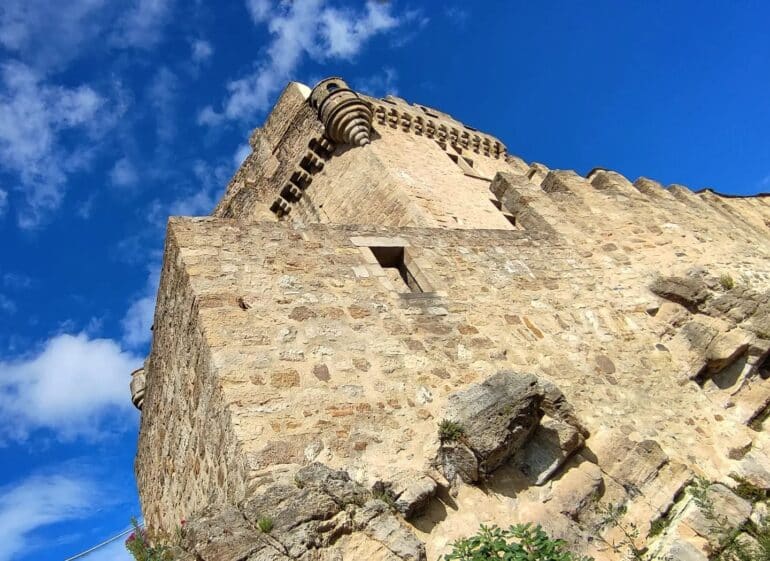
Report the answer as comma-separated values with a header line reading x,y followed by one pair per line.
x,y
522,542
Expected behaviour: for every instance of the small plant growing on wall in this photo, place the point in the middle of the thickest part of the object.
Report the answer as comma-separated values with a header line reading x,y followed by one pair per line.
x,y
139,545
726,281
522,542
450,431
265,524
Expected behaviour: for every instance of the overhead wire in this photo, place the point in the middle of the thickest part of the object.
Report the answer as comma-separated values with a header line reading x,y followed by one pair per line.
x,y
102,544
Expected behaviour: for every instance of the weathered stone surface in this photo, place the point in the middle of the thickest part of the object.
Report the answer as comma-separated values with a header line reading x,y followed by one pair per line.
x,y
411,491
754,468
690,292
556,406
552,443
376,521
498,416
631,464
726,347
455,459
577,489
732,511
679,550
221,535
334,483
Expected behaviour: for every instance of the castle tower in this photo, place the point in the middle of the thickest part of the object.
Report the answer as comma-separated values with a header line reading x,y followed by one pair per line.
x,y
390,330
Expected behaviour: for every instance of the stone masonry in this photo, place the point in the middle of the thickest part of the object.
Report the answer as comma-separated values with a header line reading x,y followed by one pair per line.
x,y
390,331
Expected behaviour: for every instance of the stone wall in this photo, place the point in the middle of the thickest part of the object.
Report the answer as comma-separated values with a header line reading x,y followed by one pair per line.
x,y
633,319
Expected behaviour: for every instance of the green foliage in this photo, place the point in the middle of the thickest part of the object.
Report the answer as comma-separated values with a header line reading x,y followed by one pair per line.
x,y
522,542
385,497
657,526
265,524
749,491
726,281
450,431
731,547
613,516
138,544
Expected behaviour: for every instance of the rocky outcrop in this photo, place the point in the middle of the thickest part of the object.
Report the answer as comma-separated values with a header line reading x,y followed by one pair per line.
x,y
322,515
501,418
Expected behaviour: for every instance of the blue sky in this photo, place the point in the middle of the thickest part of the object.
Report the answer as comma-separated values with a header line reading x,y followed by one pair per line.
x,y
116,114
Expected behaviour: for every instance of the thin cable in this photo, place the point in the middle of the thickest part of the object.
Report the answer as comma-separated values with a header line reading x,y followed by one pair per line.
x,y
105,542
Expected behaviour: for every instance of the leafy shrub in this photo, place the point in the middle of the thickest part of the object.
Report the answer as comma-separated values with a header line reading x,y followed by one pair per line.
x,y
522,542
450,431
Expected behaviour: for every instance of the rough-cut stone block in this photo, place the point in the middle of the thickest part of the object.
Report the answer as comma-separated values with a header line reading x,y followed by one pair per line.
x,y
497,416
690,292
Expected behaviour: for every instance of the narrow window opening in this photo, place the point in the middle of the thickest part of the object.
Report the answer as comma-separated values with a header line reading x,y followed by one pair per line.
x,y
508,216
392,260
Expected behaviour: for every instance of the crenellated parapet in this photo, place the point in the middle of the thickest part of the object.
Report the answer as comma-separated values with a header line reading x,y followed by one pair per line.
x,y
424,122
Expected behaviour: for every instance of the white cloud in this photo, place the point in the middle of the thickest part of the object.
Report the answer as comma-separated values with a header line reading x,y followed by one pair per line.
x,y
123,173
46,39
162,94
201,51
259,10
380,84
138,319
74,387
142,25
36,502
33,117
345,32
240,154
298,29
17,281
7,305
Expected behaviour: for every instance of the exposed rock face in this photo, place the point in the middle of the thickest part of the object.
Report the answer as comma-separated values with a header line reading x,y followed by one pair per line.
x,y
312,519
345,297
501,417
497,417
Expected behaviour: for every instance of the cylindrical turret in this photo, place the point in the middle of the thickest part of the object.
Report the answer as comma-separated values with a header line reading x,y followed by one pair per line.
x,y
137,386
345,115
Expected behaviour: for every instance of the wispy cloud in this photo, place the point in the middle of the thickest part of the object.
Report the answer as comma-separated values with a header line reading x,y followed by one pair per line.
x,y
39,501
142,24
380,84
201,51
123,173
72,387
137,321
44,39
33,117
162,93
304,28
